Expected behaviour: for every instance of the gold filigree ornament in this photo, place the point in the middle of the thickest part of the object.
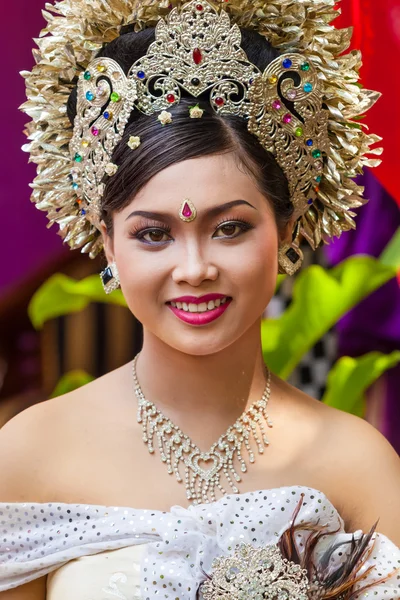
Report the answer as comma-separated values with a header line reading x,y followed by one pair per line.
x,y
304,108
257,573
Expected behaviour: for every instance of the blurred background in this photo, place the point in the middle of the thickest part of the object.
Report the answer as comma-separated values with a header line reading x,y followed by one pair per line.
x,y
344,307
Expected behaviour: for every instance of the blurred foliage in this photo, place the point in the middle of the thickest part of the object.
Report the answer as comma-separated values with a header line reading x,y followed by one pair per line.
x,y
320,298
391,255
61,295
350,378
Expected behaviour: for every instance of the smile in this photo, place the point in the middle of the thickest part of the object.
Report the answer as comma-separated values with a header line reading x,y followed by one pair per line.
x,y
200,312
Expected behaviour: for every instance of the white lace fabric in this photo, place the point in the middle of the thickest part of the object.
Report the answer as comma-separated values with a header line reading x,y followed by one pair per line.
x,y
126,553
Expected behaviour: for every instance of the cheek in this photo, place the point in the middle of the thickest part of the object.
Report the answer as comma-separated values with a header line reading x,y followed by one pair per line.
x,y
141,275
259,260
257,273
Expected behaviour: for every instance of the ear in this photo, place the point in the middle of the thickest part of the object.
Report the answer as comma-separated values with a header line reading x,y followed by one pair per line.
x,y
108,243
286,235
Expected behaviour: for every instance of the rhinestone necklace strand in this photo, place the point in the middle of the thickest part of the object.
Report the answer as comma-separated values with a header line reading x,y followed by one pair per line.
x,y
176,447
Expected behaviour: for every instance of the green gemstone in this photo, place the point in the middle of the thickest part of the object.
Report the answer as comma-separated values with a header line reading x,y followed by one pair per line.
x,y
87,75
115,97
318,179
299,132
317,154
305,66
78,158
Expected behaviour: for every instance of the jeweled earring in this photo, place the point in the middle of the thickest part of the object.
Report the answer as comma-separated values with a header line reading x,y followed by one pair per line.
x,y
290,256
188,211
290,259
110,278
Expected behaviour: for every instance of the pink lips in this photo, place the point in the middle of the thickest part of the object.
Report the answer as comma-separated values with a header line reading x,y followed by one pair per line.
x,y
200,318
194,300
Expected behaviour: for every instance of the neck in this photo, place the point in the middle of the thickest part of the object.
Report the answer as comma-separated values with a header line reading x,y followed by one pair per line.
x,y
209,391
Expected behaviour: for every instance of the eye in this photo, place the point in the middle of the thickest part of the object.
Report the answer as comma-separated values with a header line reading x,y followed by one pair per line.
x,y
151,236
232,229
155,235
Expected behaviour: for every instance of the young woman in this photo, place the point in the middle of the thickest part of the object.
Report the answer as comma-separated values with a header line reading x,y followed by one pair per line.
x,y
194,471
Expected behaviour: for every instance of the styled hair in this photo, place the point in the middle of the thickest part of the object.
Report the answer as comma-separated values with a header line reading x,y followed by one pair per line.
x,y
185,138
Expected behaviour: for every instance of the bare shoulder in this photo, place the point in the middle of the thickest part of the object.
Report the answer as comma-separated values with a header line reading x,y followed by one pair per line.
x,y
355,462
367,471
37,443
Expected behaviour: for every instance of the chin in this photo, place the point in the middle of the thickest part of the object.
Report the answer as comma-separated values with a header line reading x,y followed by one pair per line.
x,y
203,341
195,347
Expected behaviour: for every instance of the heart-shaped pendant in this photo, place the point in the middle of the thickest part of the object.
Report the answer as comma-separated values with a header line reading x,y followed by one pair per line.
x,y
211,462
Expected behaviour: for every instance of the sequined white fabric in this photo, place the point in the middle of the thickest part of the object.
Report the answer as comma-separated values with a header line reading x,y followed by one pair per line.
x,y
178,546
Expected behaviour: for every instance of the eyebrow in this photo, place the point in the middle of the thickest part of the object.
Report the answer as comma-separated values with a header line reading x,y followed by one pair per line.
x,y
213,212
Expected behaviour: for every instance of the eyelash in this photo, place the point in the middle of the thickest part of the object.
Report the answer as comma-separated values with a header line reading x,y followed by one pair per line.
x,y
139,232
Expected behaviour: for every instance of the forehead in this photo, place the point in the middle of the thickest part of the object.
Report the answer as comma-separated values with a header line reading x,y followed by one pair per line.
x,y
206,180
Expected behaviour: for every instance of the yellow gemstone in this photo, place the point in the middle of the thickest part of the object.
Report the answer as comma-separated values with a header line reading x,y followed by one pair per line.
x,y
85,143
101,68
273,79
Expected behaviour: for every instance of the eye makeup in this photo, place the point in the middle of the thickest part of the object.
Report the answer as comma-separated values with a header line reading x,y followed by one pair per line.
x,y
157,228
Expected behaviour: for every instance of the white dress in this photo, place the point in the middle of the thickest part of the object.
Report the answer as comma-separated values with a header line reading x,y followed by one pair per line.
x,y
103,553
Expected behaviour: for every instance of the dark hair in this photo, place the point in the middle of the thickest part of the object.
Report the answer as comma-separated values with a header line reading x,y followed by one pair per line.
x,y
187,138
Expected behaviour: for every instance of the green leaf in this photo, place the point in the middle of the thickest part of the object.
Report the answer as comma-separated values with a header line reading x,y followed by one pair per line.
x,y
351,377
320,298
280,280
61,295
391,255
71,381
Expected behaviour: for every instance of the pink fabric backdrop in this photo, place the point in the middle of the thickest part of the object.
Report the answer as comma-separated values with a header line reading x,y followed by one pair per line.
x,y
25,245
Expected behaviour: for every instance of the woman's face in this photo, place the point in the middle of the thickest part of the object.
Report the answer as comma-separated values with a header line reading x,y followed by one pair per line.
x,y
230,251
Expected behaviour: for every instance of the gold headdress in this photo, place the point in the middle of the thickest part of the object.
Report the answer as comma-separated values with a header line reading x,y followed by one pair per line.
x,y
304,108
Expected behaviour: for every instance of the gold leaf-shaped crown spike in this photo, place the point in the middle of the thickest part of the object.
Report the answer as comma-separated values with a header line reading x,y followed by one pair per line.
x,y
304,108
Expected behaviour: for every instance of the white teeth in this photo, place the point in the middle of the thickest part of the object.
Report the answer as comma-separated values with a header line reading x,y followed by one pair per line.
x,y
201,308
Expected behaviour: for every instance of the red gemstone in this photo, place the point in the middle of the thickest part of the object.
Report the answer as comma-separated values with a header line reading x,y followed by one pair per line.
x,y
199,6
219,101
187,212
197,56
171,98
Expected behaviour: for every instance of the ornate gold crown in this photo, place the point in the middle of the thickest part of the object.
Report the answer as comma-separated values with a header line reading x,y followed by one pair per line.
x,y
304,108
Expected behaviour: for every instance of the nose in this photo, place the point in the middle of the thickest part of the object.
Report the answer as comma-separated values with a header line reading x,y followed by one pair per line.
x,y
194,267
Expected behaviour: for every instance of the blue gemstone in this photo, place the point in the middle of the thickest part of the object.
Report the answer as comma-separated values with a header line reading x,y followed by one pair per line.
x,y
106,115
75,186
318,179
287,63
141,74
310,201
83,212
309,143
89,96
308,87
